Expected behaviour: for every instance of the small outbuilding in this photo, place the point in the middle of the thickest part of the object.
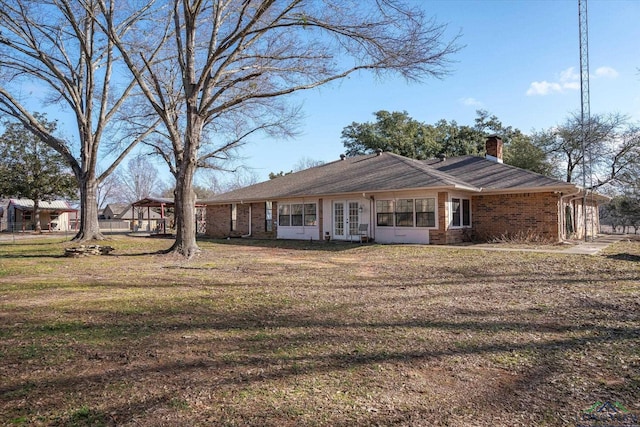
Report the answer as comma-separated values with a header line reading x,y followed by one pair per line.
x,y
56,215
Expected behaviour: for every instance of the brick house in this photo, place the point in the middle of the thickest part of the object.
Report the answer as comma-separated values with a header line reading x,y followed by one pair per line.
x,y
393,199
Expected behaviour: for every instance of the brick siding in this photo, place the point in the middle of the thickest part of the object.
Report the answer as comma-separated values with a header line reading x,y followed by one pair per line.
x,y
526,214
439,236
219,221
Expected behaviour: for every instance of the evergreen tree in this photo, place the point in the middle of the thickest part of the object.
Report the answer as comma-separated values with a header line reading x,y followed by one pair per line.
x,y
31,169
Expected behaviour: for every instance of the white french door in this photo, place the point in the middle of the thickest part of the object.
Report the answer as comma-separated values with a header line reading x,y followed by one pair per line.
x,y
346,219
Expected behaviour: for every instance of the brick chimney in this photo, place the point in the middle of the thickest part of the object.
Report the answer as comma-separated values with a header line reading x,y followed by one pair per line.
x,y
494,148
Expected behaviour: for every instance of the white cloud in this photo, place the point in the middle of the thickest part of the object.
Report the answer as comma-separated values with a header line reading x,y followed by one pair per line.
x,y
543,88
471,102
569,75
567,80
607,72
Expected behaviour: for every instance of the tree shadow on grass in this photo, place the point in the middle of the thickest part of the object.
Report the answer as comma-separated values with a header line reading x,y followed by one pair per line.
x,y
624,257
301,245
265,349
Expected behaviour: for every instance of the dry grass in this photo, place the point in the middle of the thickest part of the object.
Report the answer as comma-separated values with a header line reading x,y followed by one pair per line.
x,y
284,334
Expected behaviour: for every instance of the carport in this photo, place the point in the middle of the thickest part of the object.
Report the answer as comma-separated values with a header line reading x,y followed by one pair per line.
x,y
166,205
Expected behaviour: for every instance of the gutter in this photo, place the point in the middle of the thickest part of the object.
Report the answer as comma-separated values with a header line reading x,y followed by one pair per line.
x,y
248,235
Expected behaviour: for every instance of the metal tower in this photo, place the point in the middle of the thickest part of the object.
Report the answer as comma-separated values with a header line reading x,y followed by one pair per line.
x,y
585,113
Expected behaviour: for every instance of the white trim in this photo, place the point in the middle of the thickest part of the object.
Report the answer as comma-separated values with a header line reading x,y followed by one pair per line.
x,y
450,219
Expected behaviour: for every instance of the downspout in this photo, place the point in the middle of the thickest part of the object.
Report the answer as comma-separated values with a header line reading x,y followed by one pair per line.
x,y
248,235
562,211
372,218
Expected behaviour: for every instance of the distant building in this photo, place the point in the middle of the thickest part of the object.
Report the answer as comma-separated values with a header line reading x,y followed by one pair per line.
x,y
18,215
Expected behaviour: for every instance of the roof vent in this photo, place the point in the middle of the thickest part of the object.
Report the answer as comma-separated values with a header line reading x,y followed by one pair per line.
x,y
342,157
378,151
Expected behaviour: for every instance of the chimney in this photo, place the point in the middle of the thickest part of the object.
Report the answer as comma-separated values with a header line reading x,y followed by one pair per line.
x,y
494,148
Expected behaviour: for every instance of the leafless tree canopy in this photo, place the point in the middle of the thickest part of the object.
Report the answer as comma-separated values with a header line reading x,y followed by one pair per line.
x,y
139,179
55,47
611,149
216,71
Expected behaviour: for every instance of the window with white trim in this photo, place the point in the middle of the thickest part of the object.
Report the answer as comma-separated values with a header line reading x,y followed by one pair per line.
x,y
310,215
426,212
268,216
406,212
234,217
384,213
297,214
284,215
461,212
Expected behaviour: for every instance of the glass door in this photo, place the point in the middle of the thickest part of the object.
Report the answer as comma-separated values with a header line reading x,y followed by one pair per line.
x,y
354,219
346,219
338,220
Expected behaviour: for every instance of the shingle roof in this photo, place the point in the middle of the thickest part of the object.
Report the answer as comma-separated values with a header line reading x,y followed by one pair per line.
x,y
389,172
368,173
490,175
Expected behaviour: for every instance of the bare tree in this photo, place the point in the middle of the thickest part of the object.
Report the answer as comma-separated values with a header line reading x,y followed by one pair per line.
x,y
55,46
228,63
306,163
139,179
611,147
109,190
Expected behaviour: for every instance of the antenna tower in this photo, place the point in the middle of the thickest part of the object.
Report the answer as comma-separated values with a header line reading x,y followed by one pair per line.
x,y
585,113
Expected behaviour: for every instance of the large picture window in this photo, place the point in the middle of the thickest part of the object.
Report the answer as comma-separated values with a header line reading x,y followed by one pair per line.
x,y
461,212
406,212
297,215
384,213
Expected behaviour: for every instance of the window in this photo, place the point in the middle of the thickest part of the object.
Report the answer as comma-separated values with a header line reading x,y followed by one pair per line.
x,y
234,217
466,212
425,212
461,209
310,214
268,216
297,215
284,215
384,213
404,213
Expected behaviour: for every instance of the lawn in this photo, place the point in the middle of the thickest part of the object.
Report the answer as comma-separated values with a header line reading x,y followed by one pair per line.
x,y
254,333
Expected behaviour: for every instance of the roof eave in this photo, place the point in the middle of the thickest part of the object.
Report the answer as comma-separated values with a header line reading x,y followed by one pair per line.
x,y
543,189
344,194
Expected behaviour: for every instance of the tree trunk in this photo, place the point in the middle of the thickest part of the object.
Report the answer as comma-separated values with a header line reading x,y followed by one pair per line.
x,y
36,216
185,243
89,226
185,214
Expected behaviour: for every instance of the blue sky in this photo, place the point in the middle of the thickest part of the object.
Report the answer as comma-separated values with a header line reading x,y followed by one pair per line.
x,y
520,61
